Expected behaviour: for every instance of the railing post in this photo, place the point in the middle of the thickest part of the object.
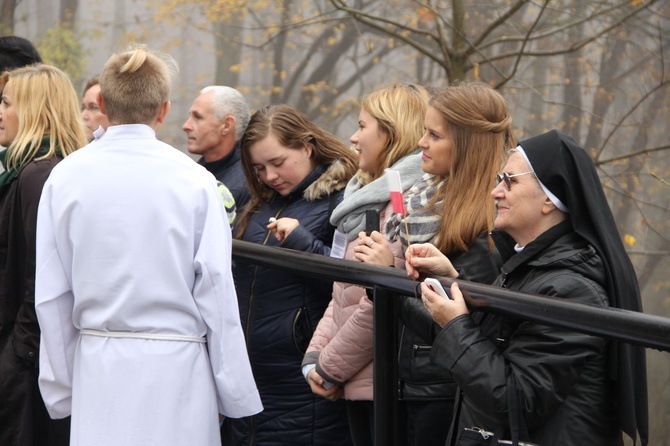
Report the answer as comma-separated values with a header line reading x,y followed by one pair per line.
x,y
385,367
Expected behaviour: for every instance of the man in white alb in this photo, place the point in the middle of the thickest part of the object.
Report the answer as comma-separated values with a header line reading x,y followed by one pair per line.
x,y
141,339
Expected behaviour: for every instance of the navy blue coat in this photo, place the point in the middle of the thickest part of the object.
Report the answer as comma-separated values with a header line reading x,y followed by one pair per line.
x,y
279,311
229,171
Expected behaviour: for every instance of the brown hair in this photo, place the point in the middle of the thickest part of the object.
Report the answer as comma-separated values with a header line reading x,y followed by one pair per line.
x,y
95,80
293,129
481,131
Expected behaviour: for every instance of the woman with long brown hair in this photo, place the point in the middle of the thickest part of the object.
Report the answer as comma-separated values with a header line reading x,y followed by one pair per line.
x,y
468,130
296,173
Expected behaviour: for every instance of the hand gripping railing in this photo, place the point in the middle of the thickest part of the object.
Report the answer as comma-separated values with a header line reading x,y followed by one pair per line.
x,y
620,325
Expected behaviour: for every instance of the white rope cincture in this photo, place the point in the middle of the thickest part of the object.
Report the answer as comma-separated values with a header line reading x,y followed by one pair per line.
x,y
150,336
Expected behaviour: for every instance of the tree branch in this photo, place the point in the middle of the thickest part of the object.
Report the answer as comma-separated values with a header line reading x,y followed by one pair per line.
x,y
630,111
500,21
565,26
632,155
574,47
523,45
370,20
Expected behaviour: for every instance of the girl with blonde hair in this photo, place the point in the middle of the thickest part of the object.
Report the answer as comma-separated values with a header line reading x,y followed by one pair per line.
x,y
40,124
338,362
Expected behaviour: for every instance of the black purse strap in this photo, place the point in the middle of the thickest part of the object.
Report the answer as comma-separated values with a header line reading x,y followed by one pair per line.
x,y
455,418
517,422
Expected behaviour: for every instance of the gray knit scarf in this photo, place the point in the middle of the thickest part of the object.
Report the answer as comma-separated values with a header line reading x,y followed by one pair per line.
x,y
423,220
349,215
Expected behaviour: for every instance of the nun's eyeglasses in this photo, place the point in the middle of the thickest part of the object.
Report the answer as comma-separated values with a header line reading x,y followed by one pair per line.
x,y
507,178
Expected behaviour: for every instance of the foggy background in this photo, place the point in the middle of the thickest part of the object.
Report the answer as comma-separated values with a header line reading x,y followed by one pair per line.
x,y
595,69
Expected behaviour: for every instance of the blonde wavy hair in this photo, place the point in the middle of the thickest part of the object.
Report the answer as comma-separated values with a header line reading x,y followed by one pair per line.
x,y
46,105
135,84
480,126
399,110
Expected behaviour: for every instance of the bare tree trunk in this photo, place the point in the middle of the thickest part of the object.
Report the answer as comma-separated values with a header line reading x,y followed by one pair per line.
x,y
119,25
609,62
68,11
325,72
278,53
626,215
572,92
46,18
537,98
459,33
422,70
7,17
227,42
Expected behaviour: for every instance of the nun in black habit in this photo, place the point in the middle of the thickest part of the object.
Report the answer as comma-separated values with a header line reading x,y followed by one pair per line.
x,y
549,385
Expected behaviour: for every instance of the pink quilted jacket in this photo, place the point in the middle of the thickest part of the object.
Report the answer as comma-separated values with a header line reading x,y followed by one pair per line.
x,y
344,334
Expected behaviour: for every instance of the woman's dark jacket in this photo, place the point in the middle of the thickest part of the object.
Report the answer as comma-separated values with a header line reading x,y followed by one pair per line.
x,y
560,376
419,379
279,311
23,417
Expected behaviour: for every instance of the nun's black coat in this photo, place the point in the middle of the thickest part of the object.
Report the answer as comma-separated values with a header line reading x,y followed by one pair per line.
x,y
573,388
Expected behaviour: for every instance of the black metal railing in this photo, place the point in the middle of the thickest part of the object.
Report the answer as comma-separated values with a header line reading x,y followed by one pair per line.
x,y
620,325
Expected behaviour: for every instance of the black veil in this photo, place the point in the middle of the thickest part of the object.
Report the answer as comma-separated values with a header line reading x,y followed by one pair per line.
x,y
569,173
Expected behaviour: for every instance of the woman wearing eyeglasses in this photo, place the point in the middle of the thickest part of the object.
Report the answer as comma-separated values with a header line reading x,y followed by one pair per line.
x,y
90,112
560,240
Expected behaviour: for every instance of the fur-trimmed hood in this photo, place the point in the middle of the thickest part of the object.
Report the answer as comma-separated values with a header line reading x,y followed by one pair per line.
x,y
284,307
333,179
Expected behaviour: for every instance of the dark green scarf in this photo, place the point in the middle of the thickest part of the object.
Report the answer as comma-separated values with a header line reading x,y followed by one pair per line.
x,y
10,174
